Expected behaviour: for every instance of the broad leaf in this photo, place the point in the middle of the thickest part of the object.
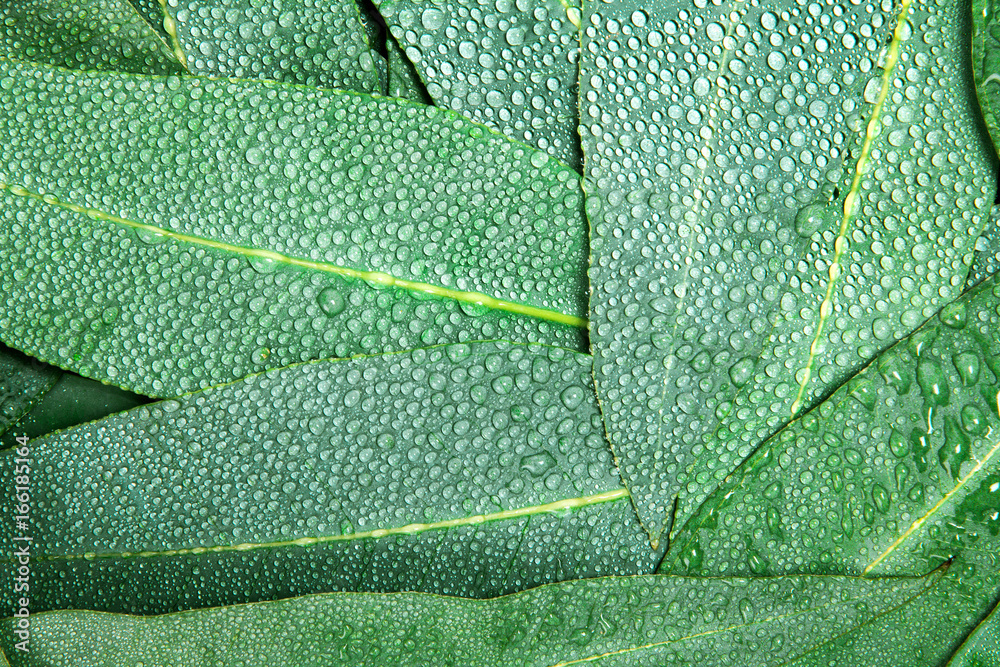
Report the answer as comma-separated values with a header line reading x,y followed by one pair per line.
x,y
897,471
775,194
403,79
510,65
97,34
316,43
474,470
636,621
22,382
228,227
982,649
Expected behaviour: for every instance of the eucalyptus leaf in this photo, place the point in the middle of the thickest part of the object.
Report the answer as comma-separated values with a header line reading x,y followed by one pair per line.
x,y
897,471
635,621
510,65
982,649
471,470
299,41
97,34
168,234
767,213
22,381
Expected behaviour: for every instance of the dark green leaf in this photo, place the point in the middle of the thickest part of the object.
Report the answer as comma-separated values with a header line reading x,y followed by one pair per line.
x,y
22,382
474,470
97,35
510,65
403,79
299,41
768,212
166,234
635,622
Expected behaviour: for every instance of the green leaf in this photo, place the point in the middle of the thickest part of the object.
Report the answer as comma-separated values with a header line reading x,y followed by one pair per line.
x,y
22,382
767,213
986,261
509,65
635,621
982,649
314,43
94,35
166,234
72,400
894,473
472,470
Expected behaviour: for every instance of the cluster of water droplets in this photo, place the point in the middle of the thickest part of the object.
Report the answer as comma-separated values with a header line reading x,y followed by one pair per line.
x,y
511,64
722,153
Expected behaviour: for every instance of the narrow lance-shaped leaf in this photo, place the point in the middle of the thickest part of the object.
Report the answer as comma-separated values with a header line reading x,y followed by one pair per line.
x,y
22,382
510,65
472,470
94,34
301,41
982,648
169,234
635,622
776,192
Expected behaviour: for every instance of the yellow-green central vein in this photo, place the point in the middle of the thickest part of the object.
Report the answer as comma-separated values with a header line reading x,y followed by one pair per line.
x,y
409,529
373,277
852,202
915,526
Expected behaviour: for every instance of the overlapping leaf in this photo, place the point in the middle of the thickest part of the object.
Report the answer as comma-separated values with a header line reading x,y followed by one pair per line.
x,y
468,469
636,621
510,65
166,234
776,192
96,34
22,382
303,41
982,649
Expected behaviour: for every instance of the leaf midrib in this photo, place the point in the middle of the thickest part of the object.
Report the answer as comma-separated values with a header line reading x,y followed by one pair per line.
x,y
373,277
379,533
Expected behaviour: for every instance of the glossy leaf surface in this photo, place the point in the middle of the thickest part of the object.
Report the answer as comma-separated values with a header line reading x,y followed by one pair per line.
x,y
986,261
897,471
636,621
775,192
303,41
510,65
227,227
982,649
472,470
95,35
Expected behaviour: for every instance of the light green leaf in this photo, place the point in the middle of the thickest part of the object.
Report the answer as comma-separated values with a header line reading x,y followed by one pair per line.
x,y
767,212
22,382
509,65
314,43
472,470
72,400
986,261
982,649
166,234
635,622
95,35
894,473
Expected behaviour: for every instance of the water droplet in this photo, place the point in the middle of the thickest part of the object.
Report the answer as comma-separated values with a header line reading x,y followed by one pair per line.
x,y
538,464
